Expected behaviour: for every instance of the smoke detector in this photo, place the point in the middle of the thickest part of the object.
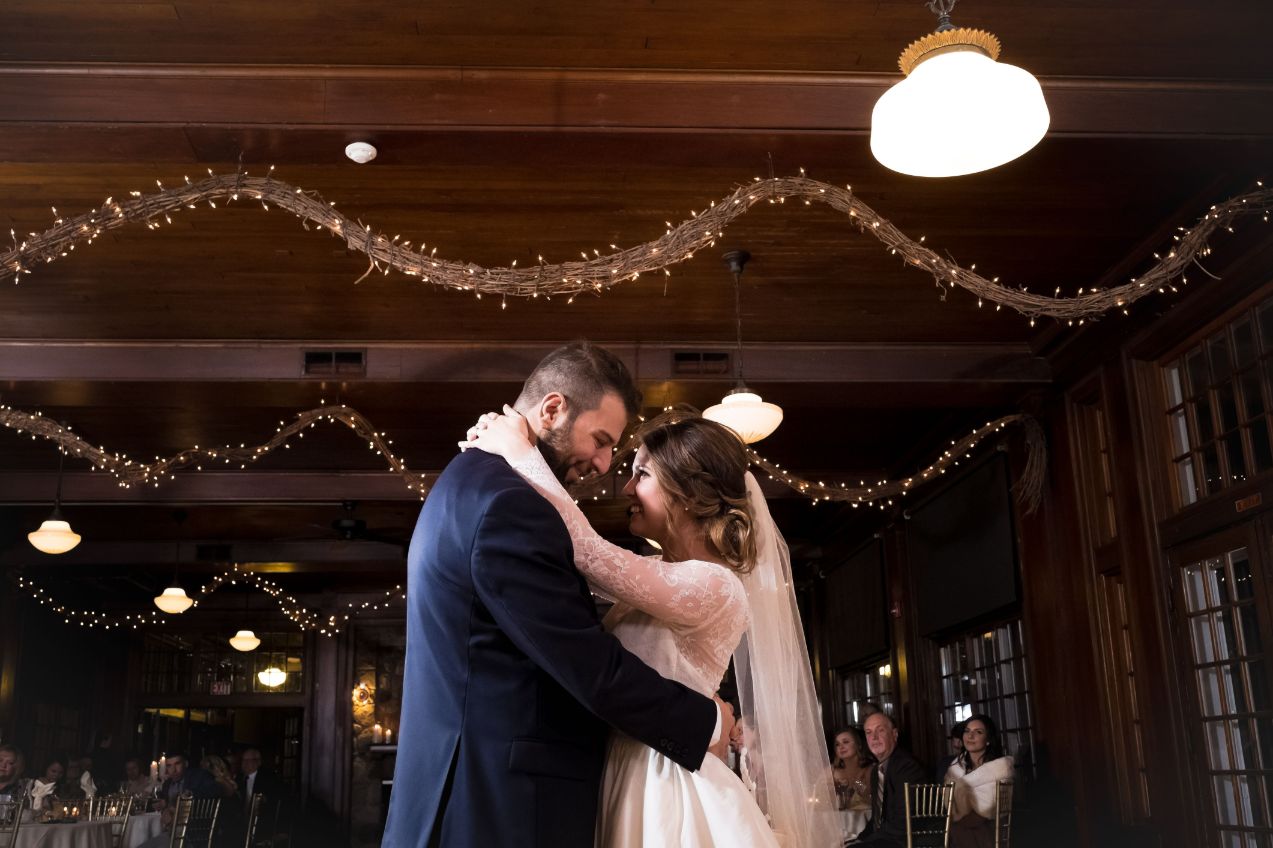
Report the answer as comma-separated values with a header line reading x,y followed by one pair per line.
x,y
361,152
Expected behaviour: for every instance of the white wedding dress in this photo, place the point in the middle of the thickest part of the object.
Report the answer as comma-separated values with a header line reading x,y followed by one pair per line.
x,y
684,619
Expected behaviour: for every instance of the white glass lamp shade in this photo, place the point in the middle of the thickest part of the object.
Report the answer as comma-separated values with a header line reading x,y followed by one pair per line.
x,y
174,600
958,112
272,677
244,640
55,536
746,414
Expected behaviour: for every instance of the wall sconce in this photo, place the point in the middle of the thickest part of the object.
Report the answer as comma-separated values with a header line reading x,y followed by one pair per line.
x,y
886,670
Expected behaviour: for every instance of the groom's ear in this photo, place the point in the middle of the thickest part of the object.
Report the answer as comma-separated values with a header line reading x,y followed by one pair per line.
x,y
553,408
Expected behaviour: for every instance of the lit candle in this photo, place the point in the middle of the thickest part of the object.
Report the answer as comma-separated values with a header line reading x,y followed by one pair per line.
x,y
388,736
163,767
154,771
377,734
75,812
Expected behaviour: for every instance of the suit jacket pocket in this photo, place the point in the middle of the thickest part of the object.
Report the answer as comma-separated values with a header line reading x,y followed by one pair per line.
x,y
553,759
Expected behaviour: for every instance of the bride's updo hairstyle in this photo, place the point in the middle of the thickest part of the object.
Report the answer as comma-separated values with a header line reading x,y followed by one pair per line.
x,y
701,466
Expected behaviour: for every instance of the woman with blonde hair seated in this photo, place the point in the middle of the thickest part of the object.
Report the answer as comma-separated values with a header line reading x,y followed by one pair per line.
x,y
976,774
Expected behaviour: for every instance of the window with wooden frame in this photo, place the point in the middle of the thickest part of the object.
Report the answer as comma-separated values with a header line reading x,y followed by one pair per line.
x,y
1094,476
1217,396
986,672
870,683
1230,672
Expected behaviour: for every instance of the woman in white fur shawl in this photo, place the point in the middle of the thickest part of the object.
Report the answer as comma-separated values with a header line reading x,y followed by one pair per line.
x,y
976,775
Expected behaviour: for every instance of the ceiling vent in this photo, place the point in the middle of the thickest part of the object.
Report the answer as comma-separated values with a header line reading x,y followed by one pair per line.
x,y
335,363
697,363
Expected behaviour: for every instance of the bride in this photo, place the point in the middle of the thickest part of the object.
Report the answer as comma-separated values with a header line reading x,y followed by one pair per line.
x,y
721,588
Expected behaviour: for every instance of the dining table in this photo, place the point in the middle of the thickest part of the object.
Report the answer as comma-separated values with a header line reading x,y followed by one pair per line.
x,y
141,828
84,834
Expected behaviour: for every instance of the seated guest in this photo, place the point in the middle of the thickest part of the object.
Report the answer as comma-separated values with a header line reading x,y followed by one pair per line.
x,y
976,775
74,786
851,769
956,748
893,770
182,777
253,780
136,778
13,786
220,772
107,768
55,773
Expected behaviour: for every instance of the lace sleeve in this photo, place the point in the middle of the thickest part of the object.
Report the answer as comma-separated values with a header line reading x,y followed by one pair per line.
x,y
689,594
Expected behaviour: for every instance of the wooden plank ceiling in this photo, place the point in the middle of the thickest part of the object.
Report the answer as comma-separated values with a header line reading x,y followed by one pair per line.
x,y
533,129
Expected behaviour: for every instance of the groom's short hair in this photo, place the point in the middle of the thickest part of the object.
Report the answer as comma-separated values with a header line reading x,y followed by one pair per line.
x,y
584,373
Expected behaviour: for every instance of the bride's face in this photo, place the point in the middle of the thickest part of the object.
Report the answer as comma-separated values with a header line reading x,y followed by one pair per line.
x,y
647,514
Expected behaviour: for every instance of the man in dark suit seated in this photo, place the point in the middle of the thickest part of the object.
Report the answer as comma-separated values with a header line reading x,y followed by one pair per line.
x,y
253,780
894,769
183,777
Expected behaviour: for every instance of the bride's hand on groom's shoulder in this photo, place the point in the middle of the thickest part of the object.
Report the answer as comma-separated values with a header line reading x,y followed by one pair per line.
x,y
506,434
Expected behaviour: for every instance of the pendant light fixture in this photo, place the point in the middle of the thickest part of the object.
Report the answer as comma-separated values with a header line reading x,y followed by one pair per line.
x,y
245,640
55,535
959,111
742,410
272,677
174,599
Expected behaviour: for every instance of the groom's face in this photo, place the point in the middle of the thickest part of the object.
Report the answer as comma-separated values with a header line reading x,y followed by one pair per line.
x,y
578,444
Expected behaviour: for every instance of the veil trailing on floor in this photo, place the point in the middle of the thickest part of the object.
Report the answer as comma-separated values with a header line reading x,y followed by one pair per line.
x,y
787,751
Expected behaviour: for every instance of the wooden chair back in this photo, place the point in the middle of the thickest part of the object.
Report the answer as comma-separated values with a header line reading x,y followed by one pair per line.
x,y
928,814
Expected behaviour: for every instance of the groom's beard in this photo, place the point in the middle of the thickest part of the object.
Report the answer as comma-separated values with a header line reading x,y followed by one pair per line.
x,y
554,445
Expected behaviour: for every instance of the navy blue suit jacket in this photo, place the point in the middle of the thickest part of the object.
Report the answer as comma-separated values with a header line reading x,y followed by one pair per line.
x,y
510,681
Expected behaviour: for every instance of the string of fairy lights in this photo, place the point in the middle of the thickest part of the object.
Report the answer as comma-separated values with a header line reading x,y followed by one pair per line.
x,y
325,624
880,494
597,271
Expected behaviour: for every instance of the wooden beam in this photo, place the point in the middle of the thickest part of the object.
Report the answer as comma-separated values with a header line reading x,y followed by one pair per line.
x,y
231,361
431,98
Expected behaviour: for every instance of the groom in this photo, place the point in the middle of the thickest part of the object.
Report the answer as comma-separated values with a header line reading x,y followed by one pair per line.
x,y
510,682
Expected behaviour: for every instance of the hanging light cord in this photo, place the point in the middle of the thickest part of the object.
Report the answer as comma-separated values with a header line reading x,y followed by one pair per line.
x,y
738,322
61,462
942,9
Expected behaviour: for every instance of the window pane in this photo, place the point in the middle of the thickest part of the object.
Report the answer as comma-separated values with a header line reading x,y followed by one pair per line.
x,y
1179,433
1226,636
1257,686
1227,403
1244,342
1252,396
1217,738
1218,580
1250,631
1220,364
1196,366
1211,468
1195,590
1175,391
1226,803
1262,455
1186,481
1202,417
1209,691
1237,462
1241,567
1245,745
1203,644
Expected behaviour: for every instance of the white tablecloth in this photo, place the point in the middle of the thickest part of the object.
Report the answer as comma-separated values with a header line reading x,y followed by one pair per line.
x,y
141,828
82,835
852,822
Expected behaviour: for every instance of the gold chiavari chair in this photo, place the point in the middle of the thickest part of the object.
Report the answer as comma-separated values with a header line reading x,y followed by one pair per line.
x,y
1003,813
11,821
928,814
194,822
254,819
116,809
